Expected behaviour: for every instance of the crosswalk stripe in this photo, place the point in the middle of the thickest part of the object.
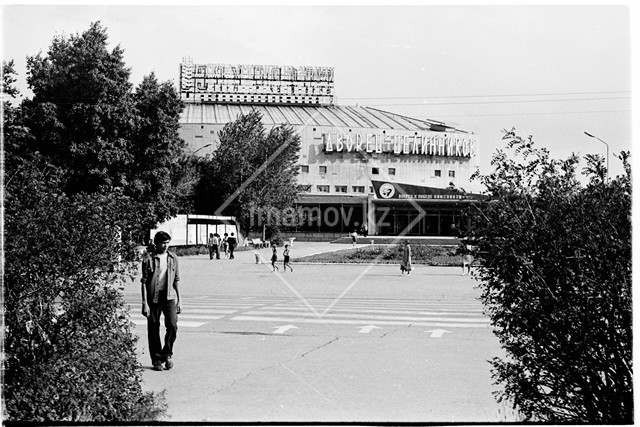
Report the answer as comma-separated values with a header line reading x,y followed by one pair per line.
x,y
197,312
364,311
191,310
182,316
181,323
372,318
357,321
397,303
384,307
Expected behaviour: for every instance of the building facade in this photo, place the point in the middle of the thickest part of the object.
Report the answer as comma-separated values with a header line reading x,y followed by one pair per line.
x,y
360,167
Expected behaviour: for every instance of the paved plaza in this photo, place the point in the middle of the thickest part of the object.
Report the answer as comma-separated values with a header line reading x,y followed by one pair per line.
x,y
348,343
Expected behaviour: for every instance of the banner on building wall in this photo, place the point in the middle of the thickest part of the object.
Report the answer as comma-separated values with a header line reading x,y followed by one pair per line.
x,y
431,144
393,191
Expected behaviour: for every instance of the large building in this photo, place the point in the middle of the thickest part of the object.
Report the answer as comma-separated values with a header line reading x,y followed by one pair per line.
x,y
358,165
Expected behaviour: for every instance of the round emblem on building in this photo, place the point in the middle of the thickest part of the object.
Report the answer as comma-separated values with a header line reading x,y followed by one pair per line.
x,y
387,190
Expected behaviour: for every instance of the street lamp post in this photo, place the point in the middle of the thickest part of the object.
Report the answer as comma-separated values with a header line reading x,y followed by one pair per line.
x,y
593,136
204,146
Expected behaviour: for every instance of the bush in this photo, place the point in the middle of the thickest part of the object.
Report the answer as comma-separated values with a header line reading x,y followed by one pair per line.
x,y
388,254
190,250
556,282
70,352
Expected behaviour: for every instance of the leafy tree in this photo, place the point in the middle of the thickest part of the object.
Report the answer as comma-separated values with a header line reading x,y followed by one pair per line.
x,y
86,119
252,170
81,114
160,175
70,354
556,282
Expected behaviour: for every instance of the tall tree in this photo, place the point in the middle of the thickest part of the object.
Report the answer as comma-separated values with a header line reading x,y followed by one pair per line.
x,y
70,201
158,158
555,276
81,114
86,119
252,170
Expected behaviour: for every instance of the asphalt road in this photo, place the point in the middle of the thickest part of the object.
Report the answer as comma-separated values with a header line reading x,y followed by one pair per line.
x,y
348,343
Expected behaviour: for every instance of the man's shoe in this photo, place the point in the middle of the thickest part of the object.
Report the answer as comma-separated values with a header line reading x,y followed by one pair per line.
x,y
157,366
168,364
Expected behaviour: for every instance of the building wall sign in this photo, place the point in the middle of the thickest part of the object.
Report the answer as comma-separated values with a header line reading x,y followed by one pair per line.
x,y
256,84
449,145
394,190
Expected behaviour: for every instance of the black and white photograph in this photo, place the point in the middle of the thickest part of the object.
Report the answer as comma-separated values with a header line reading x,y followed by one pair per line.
x,y
299,213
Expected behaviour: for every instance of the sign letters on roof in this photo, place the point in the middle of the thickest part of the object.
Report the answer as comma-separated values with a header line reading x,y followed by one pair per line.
x,y
449,145
256,84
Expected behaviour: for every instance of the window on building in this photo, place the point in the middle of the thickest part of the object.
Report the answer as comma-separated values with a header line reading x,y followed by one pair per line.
x,y
437,173
452,174
341,188
323,169
370,190
304,168
392,171
358,189
375,171
323,188
305,188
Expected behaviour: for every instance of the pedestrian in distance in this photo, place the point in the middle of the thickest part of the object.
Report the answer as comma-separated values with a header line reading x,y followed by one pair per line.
x,y
218,243
212,244
354,237
286,264
274,257
467,260
161,297
232,242
405,264
225,245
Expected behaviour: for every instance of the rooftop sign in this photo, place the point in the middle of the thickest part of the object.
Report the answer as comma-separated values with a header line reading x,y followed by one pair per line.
x,y
256,84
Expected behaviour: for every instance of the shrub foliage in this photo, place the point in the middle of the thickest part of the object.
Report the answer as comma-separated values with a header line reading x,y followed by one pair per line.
x,y
76,190
70,353
556,281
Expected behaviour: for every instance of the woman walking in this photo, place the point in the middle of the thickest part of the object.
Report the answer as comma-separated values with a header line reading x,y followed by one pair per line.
x,y
286,258
405,264
225,245
274,257
467,260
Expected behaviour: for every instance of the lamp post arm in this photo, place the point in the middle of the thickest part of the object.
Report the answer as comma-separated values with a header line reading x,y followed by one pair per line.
x,y
607,145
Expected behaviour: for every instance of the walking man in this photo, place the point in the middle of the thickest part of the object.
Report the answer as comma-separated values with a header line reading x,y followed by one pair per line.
x,y
233,242
161,296
212,243
286,259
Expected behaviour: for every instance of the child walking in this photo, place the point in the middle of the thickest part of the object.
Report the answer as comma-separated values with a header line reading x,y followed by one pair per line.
x,y
286,258
274,258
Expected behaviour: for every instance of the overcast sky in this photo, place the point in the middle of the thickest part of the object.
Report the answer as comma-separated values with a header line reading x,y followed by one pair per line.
x,y
553,72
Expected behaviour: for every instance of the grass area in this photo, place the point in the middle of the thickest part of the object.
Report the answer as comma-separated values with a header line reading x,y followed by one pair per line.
x,y
388,254
201,250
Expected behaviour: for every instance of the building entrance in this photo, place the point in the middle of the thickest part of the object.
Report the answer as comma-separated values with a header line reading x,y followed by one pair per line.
x,y
407,221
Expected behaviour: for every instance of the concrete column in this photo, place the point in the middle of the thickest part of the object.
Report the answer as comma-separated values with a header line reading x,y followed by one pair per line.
x,y
371,216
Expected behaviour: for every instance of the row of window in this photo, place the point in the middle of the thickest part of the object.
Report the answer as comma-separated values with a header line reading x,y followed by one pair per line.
x,y
376,171
343,189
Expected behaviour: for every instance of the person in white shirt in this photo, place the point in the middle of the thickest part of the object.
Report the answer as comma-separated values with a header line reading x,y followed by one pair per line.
x,y
161,296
